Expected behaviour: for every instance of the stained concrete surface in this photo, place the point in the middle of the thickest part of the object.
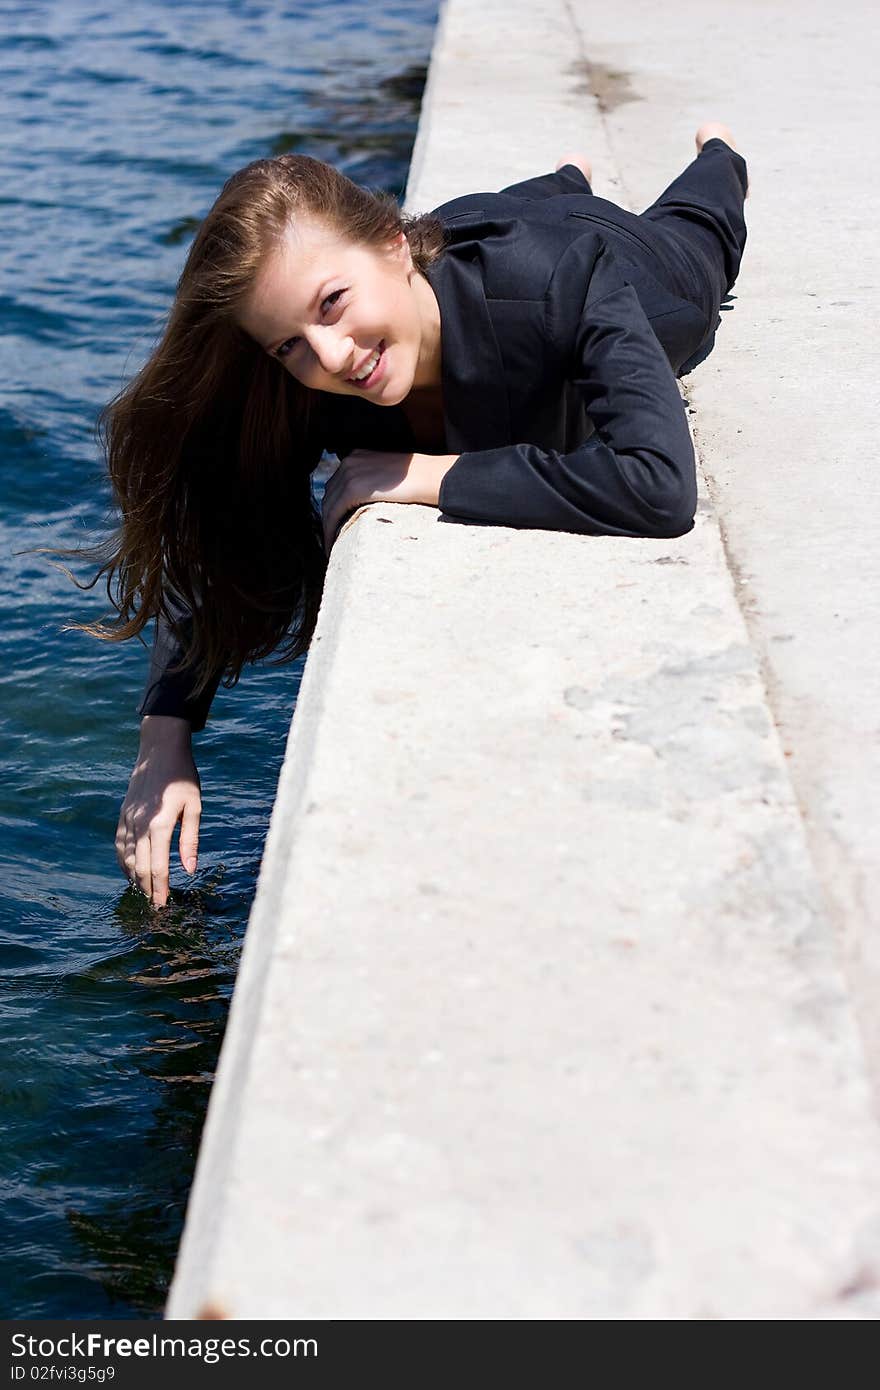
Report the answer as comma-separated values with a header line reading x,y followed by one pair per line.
x,y
786,408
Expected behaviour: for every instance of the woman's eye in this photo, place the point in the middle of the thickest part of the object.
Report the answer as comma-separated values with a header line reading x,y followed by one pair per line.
x,y
283,350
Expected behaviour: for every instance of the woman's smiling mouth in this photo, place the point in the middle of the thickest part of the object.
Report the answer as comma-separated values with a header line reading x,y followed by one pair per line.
x,y
377,365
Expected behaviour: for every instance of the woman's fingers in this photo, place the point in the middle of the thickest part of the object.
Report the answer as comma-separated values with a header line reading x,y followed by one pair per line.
x,y
128,849
334,505
121,843
189,834
363,475
160,856
145,857
142,867
373,475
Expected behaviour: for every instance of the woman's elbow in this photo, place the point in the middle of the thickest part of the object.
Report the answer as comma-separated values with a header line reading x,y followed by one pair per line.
x,y
665,490
675,526
674,516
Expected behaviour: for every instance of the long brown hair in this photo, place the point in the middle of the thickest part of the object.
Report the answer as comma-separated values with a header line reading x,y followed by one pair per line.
x,y
211,445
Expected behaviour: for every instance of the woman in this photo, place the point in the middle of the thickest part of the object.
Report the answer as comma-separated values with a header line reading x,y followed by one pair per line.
x,y
312,315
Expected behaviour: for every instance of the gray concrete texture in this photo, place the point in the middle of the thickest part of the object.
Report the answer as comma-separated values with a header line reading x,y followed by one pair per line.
x,y
556,991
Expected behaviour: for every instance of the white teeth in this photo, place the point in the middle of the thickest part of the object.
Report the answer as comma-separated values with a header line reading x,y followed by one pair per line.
x,y
368,369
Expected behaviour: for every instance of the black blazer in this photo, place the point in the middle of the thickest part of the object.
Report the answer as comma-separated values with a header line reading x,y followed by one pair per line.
x,y
560,345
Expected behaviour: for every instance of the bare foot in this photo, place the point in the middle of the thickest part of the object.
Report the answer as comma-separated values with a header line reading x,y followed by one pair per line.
x,y
711,130
580,161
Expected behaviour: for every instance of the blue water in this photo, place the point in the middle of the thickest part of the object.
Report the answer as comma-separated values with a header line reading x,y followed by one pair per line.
x,y
120,124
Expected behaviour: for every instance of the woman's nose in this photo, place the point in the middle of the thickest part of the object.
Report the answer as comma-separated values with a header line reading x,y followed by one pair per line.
x,y
334,352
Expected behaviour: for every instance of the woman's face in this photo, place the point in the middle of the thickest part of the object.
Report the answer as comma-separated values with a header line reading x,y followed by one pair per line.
x,y
322,306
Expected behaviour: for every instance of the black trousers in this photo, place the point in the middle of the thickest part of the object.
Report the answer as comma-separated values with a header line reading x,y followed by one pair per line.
x,y
697,228
693,236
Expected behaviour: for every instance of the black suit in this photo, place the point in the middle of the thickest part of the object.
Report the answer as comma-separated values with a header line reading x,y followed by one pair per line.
x,y
564,319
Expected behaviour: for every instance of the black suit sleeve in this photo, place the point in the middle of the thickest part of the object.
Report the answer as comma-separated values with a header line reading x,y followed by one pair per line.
x,y
636,475
168,692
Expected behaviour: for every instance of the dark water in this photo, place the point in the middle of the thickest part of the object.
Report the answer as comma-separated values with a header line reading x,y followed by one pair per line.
x,y
120,124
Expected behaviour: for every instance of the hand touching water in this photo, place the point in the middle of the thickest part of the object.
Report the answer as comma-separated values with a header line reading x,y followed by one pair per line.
x,y
371,475
164,788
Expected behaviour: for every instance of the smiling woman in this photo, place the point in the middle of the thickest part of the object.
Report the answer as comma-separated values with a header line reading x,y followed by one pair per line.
x,y
509,357
377,335
344,317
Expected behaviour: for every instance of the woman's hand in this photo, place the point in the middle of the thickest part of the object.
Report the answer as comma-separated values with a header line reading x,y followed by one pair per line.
x,y
164,787
371,475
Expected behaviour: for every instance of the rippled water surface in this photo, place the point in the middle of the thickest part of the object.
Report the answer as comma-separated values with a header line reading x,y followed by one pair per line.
x,y
120,125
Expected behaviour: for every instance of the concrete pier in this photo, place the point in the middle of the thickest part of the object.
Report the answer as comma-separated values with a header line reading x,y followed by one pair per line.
x,y
556,996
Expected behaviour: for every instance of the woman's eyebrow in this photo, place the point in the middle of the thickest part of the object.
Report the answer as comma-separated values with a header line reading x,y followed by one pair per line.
x,y
319,295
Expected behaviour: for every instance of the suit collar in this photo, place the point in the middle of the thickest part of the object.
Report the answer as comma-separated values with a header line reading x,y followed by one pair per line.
x,y
475,403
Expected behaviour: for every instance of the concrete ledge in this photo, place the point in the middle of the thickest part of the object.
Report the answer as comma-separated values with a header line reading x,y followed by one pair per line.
x,y
539,1014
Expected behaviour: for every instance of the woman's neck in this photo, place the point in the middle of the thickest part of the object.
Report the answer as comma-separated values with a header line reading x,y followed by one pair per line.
x,y
423,408
429,371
